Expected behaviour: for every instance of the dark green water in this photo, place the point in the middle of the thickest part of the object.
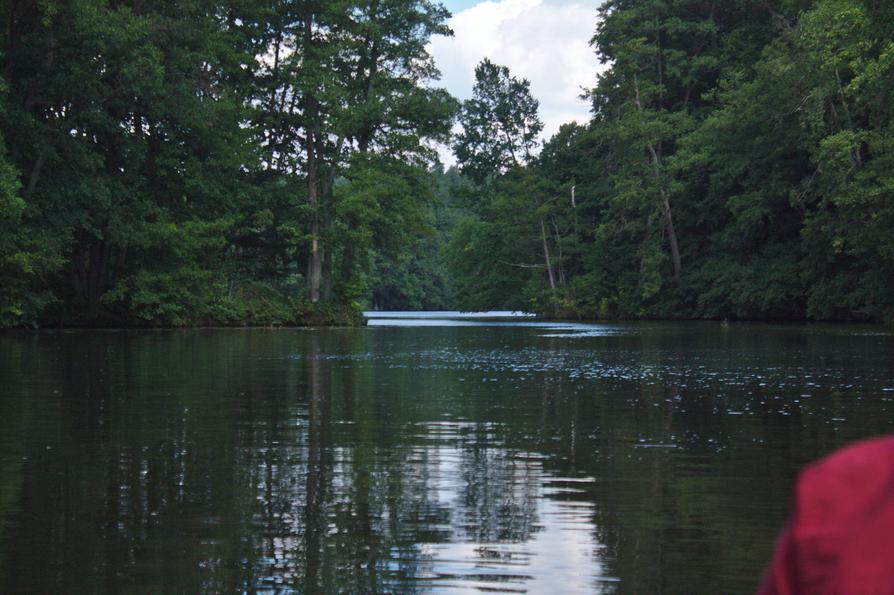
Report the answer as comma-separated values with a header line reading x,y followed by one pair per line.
x,y
650,458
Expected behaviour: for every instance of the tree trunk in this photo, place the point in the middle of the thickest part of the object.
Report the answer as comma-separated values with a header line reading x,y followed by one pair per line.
x,y
561,266
856,158
347,267
662,191
315,263
668,213
671,234
35,171
327,181
549,266
89,267
326,282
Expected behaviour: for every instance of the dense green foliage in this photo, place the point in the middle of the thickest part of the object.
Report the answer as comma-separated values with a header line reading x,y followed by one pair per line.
x,y
211,162
737,164
269,162
499,124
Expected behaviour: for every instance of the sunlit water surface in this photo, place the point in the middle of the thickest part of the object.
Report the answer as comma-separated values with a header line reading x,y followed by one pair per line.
x,y
443,452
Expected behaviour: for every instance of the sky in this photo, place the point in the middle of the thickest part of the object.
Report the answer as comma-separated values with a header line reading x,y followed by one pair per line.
x,y
544,41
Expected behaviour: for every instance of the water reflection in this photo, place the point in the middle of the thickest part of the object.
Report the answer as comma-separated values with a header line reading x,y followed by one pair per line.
x,y
447,504
651,458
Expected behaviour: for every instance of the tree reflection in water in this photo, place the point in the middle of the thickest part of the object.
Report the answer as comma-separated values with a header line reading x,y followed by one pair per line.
x,y
409,459
439,503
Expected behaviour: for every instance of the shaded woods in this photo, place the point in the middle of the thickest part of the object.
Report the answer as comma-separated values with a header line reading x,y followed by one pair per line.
x,y
261,162
208,162
737,165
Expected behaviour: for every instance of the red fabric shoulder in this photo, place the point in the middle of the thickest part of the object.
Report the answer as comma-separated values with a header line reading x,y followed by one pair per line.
x,y
840,538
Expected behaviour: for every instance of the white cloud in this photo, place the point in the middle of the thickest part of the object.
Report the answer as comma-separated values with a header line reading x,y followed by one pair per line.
x,y
544,41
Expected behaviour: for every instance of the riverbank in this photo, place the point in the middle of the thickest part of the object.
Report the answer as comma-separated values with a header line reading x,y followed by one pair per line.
x,y
284,313
686,315
335,316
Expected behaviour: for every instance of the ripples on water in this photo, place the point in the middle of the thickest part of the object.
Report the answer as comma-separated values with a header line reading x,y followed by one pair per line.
x,y
462,455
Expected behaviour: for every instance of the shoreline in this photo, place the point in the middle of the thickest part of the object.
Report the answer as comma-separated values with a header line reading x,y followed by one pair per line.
x,y
364,323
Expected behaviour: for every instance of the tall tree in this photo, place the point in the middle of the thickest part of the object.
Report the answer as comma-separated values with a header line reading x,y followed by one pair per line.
x,y
500,125
123,123
347,79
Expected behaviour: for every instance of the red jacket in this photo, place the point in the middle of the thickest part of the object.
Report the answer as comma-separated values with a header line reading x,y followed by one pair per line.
x,y
840,537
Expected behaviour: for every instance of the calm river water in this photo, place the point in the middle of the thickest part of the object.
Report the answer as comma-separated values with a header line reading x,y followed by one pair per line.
x,y
429,454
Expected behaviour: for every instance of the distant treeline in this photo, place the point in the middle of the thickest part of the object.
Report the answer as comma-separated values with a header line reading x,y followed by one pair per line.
x,y
270,162
738,164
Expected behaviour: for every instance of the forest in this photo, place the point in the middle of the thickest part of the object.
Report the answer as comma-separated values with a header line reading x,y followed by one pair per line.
x,y
272,162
